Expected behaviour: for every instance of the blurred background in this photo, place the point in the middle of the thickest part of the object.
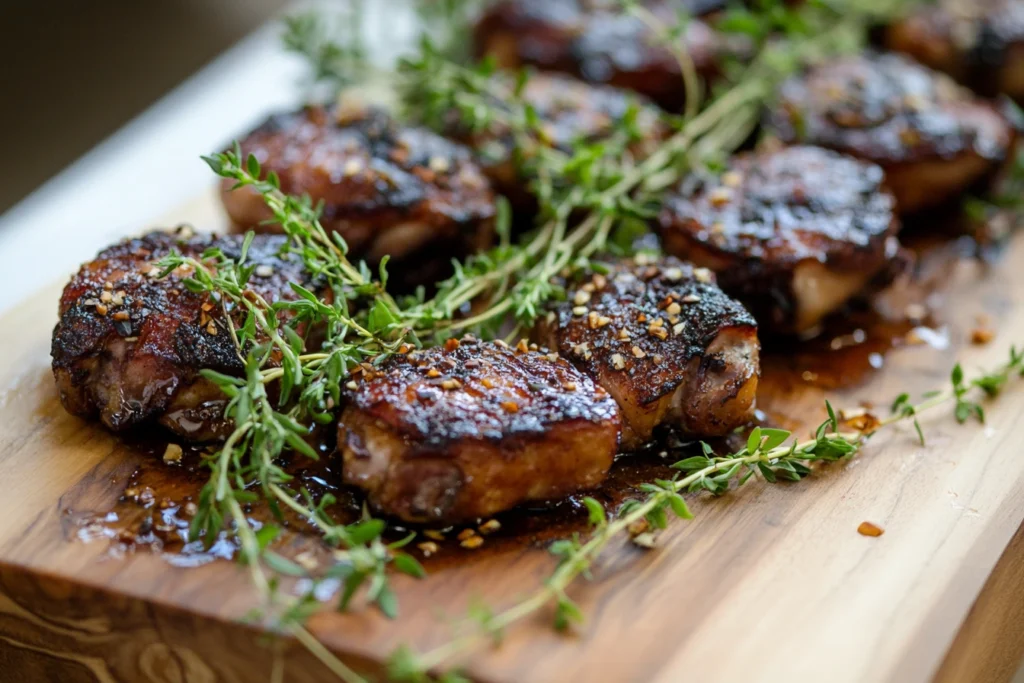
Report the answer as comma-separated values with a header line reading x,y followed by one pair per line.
x,y
73,72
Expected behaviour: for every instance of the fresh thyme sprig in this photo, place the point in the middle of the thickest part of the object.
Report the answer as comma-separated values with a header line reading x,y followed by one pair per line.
x,y
599,180
672,37
771,454
253,552
448,22
352,336
334,49
306,384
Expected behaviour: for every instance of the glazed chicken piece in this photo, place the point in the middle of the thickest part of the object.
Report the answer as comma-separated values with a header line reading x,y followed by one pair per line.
x,y
933,139
792,233
597,41
386,189
129,346
469,429
980,43
570,111
665,342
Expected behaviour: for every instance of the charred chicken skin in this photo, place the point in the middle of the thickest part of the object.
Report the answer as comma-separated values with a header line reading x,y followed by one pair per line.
x,y
387,189
570,111
666,343
470,429
597,41
933,139
978,42
792,233
129,345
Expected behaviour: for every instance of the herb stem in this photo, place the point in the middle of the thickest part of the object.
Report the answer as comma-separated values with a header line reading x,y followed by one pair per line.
x,y
676,44
571,567
326,657
251,552
224,459
583,556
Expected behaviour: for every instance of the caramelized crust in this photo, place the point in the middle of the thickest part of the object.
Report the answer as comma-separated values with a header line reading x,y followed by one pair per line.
x,y
932,138
470,429
570,111
665,342
792,233
387,189
597,41
129,346
978,42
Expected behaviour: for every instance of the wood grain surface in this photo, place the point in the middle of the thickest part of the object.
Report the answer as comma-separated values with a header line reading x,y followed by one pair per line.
x,y
769,583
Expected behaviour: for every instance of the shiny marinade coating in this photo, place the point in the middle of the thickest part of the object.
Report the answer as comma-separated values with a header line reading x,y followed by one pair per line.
x,y
932,138
978,42
665,341
570,111
597,41
386,188
472,428
776,218
129,346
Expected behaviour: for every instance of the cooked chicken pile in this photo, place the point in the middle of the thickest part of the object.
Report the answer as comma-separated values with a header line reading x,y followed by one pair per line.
x,y
130,344
792,233
471,428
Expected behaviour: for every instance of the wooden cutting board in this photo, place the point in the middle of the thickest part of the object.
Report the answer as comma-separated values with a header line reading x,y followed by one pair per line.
x,y
769,583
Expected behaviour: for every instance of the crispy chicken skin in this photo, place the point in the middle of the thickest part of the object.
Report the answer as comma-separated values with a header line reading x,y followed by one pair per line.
x,y
128,346
387,189
570,110
933,139
665,342
469,429
597,41
792,233
978,42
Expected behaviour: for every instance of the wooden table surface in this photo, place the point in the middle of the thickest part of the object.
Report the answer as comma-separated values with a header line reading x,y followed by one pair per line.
x,y
771,583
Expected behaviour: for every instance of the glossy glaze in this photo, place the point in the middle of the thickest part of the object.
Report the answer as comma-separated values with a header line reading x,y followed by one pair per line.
x,y
932,138
665,341
385,188
129,345
473,428
793,233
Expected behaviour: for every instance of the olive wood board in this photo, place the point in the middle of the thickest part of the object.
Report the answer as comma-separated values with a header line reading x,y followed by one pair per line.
x,y
769,583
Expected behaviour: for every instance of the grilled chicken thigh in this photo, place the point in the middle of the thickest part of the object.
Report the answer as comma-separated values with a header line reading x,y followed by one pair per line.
x,y
597,41
129,346
388,190
978,42
792,233
470,429
665,342
570,111
932,138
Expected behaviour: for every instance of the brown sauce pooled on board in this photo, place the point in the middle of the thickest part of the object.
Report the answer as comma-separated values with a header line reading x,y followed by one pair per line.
x,y
159,498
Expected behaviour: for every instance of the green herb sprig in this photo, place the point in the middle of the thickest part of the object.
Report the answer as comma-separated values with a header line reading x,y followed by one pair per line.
x,y
591,193
770,454
307,385
334,49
